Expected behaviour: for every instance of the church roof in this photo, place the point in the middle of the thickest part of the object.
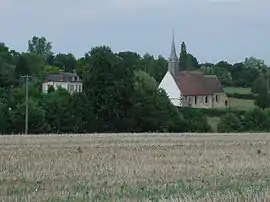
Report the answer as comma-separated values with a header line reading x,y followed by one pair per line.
x,y
67,77
196,83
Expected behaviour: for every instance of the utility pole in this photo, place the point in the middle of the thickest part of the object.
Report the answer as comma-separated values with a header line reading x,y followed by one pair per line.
x,y
267,87
26,78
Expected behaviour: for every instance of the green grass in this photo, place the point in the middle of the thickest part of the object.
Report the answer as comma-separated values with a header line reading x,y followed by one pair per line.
x,y
240,187
238,90
241,104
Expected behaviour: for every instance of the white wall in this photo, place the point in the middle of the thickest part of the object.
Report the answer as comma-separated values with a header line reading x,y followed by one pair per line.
x,y
55,85
64,85
171,88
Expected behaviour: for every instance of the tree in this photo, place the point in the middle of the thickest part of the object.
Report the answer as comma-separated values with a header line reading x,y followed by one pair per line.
x,y
65,61
40,46
221,70
196,121
51,69
79,113
152,110
263,99
192,62
58,111
3,116
22,67
229,123
161,67
109,87
51,89
6,74
82,67
183,60
36,119
254,63
256,120
131,59
3,47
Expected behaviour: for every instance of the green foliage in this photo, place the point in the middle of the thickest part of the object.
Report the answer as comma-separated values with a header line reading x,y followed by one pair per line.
x,y
120,93
229,123
256,120
40,46
221,70
51,89
36,117
6,74
153,111
3,116
52,70
183,64
109,87
57,111
263,98
243,76
65,61
257,84
196,121
186,60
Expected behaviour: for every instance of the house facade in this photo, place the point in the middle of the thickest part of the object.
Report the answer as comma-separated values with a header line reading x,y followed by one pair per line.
x,y
190,88
68,81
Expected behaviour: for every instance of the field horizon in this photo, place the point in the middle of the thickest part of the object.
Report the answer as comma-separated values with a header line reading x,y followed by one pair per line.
x,y
132,167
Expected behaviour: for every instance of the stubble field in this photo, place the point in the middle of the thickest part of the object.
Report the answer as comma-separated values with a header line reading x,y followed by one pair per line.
x,y
152,167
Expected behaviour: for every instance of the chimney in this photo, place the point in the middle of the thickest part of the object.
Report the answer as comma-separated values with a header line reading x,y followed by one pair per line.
x,y
61,75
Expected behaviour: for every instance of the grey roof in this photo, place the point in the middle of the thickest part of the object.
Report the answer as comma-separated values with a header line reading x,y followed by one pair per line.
x,y
67,77
173,51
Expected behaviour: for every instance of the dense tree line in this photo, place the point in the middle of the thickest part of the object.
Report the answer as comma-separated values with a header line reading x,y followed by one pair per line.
x,y
254,120
120,90
120,93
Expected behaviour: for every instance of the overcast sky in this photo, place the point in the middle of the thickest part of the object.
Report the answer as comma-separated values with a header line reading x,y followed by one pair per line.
x,y
212,29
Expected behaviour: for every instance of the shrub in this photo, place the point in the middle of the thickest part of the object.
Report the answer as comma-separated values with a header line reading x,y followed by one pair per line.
x,y
256,120
229,123
196,121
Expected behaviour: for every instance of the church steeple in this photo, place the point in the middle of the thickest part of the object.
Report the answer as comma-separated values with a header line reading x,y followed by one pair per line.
x,y
173,51
173,63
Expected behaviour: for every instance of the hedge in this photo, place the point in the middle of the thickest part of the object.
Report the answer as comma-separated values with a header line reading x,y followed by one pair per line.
x,y
249,96
209,112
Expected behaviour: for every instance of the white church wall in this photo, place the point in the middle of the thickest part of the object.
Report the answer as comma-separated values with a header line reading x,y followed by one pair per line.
x,y
168,84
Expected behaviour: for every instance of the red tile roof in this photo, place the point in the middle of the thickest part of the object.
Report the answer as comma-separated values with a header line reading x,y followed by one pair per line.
x,y
195,83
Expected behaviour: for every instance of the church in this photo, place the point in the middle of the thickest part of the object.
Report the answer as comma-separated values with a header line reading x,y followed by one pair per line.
x,y
190,88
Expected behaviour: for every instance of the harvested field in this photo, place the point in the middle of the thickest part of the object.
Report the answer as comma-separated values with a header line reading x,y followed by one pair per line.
x,y
152,167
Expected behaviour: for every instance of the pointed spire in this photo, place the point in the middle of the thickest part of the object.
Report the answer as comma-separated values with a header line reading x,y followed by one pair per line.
x,y
173,50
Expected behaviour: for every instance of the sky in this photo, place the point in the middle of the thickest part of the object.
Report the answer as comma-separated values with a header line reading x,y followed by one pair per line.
x,y
213,30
